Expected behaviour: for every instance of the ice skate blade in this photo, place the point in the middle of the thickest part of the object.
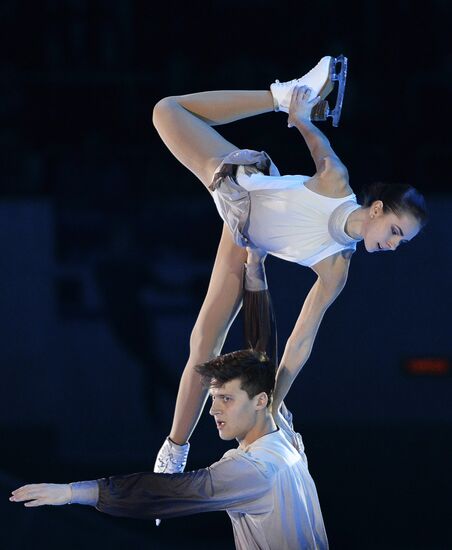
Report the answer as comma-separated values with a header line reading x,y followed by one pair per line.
x,y
322,110
341,77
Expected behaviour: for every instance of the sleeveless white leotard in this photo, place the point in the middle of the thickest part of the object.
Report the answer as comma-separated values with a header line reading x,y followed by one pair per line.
x,y
291,222
279,214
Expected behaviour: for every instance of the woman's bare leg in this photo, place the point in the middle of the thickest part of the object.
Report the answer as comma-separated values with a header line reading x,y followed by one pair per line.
x,y
185,125
221,304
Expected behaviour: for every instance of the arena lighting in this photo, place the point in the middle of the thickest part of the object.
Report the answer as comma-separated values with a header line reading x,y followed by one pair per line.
x,y
427,366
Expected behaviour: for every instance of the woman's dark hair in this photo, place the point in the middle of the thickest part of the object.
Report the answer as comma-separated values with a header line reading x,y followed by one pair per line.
x,y
397,198
254,369
259,322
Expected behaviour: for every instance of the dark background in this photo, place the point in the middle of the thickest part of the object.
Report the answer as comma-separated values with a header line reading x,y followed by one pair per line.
x,y
108,244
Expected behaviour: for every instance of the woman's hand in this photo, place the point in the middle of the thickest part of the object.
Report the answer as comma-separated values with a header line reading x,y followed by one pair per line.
x,y
43,493
301,105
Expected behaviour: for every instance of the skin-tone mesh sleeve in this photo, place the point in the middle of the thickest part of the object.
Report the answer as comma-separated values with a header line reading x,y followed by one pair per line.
x,y
85,492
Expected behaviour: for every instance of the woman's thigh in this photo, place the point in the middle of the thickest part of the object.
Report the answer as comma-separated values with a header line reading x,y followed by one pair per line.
x,y
191,140
223,299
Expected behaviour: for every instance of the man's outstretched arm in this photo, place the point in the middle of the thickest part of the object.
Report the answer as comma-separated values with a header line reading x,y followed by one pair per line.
x,y
230,484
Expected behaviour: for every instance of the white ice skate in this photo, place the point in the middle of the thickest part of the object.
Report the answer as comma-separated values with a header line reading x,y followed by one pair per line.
x,y
321,80
171,459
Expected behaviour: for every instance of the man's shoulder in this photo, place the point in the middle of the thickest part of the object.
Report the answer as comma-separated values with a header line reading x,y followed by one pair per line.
x,y
275,451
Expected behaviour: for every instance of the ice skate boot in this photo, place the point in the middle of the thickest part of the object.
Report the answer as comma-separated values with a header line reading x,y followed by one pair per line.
x,y
171,459
321,80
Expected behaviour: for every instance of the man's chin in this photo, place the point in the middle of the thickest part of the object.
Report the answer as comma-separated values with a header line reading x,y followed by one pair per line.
x,y
225,437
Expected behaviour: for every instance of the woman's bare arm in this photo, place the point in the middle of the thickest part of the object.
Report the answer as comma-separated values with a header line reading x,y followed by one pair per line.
x,y
318,144
332,276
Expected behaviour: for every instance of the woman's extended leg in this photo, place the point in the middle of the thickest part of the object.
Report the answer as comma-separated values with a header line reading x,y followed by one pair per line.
x,y
185,125
221,304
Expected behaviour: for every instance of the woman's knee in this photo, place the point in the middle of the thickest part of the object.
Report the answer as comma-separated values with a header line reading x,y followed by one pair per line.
x,y
204,346
162,109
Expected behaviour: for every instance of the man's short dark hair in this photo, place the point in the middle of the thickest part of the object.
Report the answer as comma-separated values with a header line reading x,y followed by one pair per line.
x,y
254,369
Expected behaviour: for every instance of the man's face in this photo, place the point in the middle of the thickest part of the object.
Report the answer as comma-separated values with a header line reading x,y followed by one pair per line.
x,y
234,412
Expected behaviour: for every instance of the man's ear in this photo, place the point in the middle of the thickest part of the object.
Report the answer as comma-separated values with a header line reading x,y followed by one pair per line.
x,y
261,400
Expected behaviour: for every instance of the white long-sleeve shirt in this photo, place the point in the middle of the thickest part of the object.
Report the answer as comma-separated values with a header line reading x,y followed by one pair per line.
x,y
266,489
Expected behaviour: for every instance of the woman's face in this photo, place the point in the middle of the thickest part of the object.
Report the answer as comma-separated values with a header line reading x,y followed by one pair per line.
x,y
385,232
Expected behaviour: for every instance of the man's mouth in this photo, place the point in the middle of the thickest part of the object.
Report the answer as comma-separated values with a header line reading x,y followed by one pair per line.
x,y
220,424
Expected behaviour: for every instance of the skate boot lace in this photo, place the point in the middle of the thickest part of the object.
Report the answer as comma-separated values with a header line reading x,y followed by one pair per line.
x,y
294,80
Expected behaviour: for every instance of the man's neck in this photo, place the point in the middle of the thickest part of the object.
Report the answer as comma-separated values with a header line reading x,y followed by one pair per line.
x,y
263,426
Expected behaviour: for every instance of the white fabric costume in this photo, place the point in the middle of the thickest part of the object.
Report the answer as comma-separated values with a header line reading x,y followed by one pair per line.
x,y
279,214
266,489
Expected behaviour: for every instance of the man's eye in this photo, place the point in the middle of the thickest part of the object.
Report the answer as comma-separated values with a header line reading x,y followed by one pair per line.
x,y
226,399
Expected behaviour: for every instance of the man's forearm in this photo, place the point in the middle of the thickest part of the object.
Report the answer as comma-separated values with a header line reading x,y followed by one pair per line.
x,y
147,495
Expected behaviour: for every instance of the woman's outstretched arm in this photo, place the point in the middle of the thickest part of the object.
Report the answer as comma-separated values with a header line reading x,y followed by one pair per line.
x,y
332,276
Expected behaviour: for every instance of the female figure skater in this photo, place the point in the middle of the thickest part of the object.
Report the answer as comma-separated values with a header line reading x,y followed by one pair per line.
x,y
314,221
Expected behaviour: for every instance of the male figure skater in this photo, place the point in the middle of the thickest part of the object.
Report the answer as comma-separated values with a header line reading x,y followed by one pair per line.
x,y
264,484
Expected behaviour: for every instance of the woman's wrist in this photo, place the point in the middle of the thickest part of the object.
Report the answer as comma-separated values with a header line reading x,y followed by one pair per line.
x,y
302,123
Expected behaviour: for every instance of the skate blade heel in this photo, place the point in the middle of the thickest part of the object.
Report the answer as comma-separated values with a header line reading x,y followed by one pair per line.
x,y
320,111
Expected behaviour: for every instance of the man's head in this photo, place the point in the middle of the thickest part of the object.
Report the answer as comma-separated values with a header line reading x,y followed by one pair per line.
x,y
241,385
